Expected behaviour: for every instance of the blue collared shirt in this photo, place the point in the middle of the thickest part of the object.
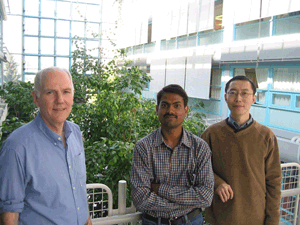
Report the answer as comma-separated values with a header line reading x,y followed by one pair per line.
x,y
237,126
42,180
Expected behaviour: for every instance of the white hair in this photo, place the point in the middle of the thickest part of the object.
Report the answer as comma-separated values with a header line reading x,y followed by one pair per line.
x,y
41,73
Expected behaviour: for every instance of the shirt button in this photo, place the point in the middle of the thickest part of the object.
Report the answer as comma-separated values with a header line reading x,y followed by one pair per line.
x,y
58,138
54,143
69,167
74,188
78,208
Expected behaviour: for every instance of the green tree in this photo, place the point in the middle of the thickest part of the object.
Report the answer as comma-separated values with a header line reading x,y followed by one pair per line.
x,y
11,70
109,109
21,108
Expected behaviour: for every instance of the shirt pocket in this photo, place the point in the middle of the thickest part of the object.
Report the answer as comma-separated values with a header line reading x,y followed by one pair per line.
x,y
79,162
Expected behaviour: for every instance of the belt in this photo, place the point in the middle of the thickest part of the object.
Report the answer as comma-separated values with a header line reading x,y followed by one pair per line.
x,y
174,221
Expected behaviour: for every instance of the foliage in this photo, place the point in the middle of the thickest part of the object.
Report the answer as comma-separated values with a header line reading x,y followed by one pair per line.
x,y
109,109
194,121
21,108
102,158
11,70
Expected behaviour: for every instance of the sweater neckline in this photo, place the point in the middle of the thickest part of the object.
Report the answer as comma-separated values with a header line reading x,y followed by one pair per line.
x,y
239,132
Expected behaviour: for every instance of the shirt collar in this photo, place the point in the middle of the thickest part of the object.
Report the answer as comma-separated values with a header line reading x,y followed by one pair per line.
x,y
159,138
48,132
235,124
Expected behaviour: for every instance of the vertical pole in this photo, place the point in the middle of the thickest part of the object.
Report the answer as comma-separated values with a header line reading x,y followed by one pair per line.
x,y
122,197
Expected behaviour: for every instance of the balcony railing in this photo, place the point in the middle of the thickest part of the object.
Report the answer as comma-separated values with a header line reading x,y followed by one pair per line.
x,y
101,211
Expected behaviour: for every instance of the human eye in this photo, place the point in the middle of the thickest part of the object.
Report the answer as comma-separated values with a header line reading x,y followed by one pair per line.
x,y
67,91
49,92
163,105
232,92
244,94
177,106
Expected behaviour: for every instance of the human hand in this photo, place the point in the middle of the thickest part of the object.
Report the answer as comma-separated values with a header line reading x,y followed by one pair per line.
x,y
225,192
88,222
154,188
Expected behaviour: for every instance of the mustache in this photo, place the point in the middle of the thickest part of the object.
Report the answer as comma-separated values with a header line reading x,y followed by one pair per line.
x,y
168,114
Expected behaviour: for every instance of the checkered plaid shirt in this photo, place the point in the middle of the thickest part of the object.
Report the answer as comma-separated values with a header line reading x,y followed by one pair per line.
x,y
155,161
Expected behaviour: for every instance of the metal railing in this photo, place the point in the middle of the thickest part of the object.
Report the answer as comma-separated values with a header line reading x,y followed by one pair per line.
x,y
102,212
290,191
100,199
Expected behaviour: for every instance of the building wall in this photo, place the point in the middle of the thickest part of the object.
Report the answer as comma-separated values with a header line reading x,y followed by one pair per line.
x,y
260,41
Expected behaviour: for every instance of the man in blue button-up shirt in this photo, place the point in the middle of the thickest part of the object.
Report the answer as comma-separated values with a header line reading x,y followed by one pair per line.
x,y
42,164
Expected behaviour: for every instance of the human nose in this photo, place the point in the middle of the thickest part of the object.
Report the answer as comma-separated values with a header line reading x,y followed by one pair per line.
x,y
59,97
238,97
171,109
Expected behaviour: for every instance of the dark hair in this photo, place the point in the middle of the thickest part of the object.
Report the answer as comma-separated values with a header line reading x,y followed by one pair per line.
x,y
241,78
173,88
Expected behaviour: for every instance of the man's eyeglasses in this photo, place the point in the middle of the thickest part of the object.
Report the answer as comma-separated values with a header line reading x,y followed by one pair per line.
x,y
242,94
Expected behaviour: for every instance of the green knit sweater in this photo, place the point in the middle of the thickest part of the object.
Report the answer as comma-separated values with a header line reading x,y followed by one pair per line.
x,y
247,160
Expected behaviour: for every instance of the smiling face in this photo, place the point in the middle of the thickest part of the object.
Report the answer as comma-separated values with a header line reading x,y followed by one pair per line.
x,y
239,98
56,99
171,111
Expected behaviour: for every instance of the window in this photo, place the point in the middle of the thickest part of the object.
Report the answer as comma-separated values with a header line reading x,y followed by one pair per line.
x,y
218,24
149,30
286,79
250,29
215,84
259,76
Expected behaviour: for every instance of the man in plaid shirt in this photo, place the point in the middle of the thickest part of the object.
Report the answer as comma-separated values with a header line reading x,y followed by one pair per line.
x,y
171,175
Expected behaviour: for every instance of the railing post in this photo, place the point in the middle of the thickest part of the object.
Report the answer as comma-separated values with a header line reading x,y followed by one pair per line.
x,y
122,197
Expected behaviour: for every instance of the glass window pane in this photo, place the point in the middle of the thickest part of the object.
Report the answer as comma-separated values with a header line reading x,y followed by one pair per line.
x,y
261,97
208,38
62,46
78,11
47,62
31,26
215,92
298,101
31,45
288,25
216,75
192,40
62,62
47,8
62,28
182,42
250,30
47,27
280,99
286,79
29,78
138,49
93,48
251,74
93,13
13,28
47,46
78,29
31,7
31,64
262,77
92,30
16,8
171,44
63,10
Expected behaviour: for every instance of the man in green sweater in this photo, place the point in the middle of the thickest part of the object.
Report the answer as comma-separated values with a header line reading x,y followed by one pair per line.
x,y
246,163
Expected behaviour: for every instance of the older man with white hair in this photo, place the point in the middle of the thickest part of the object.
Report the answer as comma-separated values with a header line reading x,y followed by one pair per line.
x,y
42,164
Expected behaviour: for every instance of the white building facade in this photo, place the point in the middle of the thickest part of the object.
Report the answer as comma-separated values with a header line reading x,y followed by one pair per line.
x,y
201,44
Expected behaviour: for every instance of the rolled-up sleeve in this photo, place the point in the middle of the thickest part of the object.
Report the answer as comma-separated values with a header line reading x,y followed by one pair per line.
x,y
12,180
